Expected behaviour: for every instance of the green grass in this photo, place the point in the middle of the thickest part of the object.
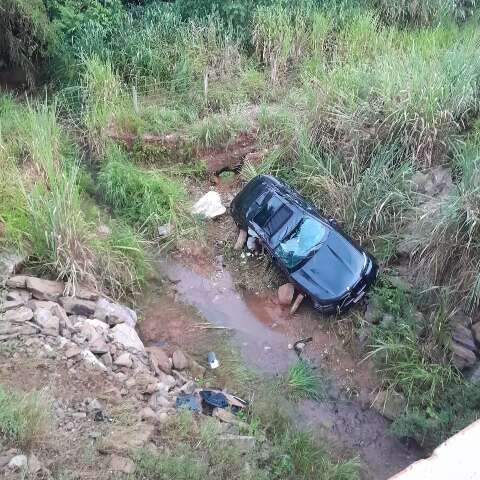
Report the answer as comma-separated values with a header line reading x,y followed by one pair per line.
x,y
302,381
146,199
24,417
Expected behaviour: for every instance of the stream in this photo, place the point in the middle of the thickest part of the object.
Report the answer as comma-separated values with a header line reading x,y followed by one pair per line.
x,y
262,330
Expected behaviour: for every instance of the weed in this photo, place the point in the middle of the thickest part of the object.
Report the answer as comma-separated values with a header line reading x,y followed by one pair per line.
x,y
24,417
302,381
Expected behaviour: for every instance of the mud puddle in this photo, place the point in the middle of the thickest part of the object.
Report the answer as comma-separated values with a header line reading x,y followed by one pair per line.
x,y
262,330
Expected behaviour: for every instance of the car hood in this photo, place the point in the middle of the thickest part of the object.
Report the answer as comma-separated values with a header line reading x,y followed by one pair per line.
x,y
336,266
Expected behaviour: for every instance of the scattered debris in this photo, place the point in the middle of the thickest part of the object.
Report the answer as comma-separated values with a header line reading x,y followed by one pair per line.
x,y
214,399
299,345
212,360
189,402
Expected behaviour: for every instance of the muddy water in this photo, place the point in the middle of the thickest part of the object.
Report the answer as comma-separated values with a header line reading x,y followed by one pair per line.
x,y
263,329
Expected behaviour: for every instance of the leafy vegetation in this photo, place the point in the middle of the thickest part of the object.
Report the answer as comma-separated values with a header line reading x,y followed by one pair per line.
x,y
302,381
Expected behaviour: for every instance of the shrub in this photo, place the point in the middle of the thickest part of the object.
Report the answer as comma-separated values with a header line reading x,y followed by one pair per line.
x,y
24,417
302,381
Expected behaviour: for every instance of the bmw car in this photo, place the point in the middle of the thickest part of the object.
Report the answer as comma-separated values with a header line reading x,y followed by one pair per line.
x,y
322,262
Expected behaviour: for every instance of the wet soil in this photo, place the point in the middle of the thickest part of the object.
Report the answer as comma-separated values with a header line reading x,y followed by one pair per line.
x,y
263,329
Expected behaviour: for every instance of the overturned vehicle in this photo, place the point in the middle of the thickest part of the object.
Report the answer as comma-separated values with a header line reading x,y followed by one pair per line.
x,y
321,261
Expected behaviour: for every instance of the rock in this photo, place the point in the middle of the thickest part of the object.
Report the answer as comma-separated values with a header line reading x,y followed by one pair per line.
x,y
124,360
44,289
435,182
159,359
121,465
127,337
34,466
227,417
147,383
19,315
374,313
18,281
462,357
49,323
98,345
390,404
197,370
476,331
91,360
18,462
164,230
167,380
125,440
19,294
158,400
72,352
94,405
209,206
286,293
10,262
189,387
10,305
163,417
114,314
148,415
240,443
106,359
85,293
78,306
180,361
463,336
474,374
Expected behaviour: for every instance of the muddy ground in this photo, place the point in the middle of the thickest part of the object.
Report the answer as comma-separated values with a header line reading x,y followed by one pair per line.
x,y
205,286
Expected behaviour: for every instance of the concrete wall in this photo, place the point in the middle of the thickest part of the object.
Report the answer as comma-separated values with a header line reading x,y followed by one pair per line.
x,y
456,459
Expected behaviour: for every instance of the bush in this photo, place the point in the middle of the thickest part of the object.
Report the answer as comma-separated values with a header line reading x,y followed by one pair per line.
x,y
24,417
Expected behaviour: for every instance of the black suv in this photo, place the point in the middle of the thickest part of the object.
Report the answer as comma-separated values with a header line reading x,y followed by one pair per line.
x,y
323,262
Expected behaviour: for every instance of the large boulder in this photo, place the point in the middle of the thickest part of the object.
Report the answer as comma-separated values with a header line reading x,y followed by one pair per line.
x,y
17,281
78,306
114,314
127,337
10,305
44,289
209,206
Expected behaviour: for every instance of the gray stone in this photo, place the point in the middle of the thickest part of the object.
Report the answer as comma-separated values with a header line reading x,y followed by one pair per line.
x,y
197,370
228,417
18,281
45,289
10,262
94,405
463,336
53,307
124,360
159,359
189,387
127,337
106,358
114,314
91,360
164,230
474,374
19,315
390,404
85,293
10,305
19,294
124,440
462,357
286,293
18,462
78,306
180,361
148,415
121,465
49,323
476,331
72,352
98,345
158,400
374,313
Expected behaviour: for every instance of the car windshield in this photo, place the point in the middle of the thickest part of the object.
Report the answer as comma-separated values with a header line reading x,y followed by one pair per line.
x,y
301,242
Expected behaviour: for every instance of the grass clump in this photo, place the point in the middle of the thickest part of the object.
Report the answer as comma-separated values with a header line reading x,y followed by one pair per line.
x,y
24,417
302,381
145,199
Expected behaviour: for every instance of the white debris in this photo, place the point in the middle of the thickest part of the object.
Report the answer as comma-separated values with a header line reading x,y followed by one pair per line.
x,y
209,206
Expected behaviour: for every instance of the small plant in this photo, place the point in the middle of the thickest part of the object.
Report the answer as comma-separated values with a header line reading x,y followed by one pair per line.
x,y
24,417
302,381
